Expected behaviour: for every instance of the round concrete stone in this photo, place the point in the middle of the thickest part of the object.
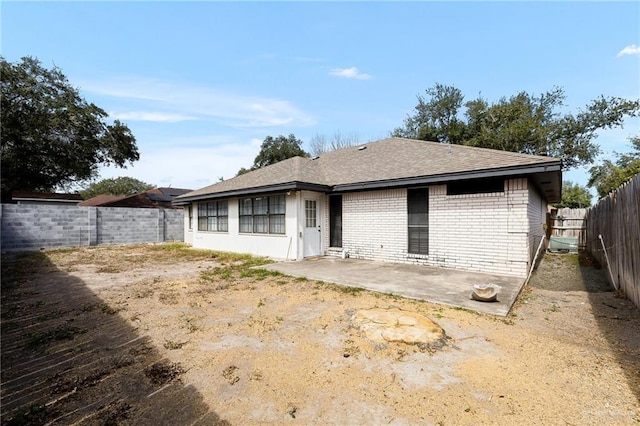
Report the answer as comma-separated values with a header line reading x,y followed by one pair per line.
x,y
395,325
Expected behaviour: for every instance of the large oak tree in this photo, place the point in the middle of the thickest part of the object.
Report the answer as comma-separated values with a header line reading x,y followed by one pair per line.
x,y
51,136
276,149
525,123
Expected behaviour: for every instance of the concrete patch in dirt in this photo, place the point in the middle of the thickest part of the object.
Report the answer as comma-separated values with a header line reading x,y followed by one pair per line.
x,y
395,325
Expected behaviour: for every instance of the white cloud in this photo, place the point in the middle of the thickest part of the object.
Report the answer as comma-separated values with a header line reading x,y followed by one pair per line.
x,y
183,101
157,117
350,73
632,49
187,167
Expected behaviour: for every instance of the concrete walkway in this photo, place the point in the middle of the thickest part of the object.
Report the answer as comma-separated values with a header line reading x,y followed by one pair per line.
x,y
438,285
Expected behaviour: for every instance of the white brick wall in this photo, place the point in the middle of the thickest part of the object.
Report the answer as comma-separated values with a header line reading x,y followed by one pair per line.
x,y
374,224
537,212
478,232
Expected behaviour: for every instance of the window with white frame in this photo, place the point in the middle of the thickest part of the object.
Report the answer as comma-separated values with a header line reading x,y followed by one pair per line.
x,y
262,215
213,216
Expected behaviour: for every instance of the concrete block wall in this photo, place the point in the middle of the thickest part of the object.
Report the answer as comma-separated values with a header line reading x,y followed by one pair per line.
x,y
31,227
125,225
477,232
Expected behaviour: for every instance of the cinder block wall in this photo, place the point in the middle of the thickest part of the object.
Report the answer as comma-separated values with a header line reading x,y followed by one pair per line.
x,y
128,225
478,232
31,227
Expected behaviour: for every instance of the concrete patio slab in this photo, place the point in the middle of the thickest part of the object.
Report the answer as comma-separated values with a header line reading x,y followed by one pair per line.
x,y
438,285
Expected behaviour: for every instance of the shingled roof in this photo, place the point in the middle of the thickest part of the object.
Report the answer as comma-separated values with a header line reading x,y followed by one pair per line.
x,y
391,162
153,198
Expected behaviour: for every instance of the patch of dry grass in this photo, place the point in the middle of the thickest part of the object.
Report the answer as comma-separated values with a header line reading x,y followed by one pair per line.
x,y
120,258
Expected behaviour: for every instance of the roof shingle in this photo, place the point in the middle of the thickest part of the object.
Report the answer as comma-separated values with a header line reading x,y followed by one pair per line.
x,y
385,160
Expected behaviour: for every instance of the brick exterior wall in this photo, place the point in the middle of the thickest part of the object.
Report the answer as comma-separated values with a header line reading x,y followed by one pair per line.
x,y
489,233
31,227
537,213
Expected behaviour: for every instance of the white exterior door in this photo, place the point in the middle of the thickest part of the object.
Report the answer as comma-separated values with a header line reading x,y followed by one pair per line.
x,y
311,235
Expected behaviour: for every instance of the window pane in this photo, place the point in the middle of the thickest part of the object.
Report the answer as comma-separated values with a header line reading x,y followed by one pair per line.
x,y
223,223
276,224
202,224
310,213
223,209
335,220
277,204
245,224
418,207
418,212
213,223
475,186
260,205
419,240
260,224
245,206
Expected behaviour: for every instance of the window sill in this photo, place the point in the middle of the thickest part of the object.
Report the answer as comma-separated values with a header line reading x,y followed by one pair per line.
x,y
260,234
417,256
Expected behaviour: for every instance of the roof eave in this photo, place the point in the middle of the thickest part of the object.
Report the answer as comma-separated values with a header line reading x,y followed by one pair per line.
x,y
280,187
448,177
519,170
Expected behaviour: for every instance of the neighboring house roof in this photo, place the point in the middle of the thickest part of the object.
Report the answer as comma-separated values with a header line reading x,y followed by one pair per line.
x,y
387,163
101,200
153,198
45,197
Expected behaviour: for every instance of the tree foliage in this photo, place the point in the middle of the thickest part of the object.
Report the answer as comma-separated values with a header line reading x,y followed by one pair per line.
x,y
522,123
574,196
320,144
51,137
276,149
123,185
608,176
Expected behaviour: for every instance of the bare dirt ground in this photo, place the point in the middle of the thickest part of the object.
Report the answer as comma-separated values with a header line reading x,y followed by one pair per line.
x,y
167,335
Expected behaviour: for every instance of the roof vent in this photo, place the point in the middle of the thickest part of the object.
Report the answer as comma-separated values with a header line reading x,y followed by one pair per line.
x,y
316,157
362,148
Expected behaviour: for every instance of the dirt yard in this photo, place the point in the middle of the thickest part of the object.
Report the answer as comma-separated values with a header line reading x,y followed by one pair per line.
x,y
162,334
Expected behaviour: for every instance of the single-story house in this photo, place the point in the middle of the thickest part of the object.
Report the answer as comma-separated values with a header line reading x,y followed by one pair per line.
x,y
395,200
153,199
45,198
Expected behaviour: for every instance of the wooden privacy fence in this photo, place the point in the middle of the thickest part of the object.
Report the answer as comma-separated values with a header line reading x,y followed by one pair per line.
x,y
617,219
567,222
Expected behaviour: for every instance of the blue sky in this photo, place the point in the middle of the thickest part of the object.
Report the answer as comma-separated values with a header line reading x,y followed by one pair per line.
x,y
201,84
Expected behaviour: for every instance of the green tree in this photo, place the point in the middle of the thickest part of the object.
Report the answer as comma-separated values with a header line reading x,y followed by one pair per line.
x,y
123,185
522,123
51,137
436,116
274,150
608,176
574,196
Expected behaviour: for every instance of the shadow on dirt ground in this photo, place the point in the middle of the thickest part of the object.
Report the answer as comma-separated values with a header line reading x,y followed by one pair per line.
x,y
616,317
68,357
619,321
